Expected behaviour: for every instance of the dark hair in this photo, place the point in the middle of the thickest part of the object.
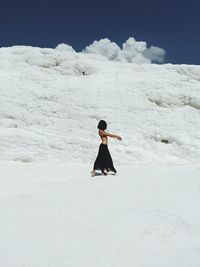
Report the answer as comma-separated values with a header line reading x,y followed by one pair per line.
x,y
102,125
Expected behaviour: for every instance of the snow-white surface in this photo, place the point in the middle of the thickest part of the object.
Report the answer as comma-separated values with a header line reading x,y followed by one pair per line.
x,y
52,99
55,215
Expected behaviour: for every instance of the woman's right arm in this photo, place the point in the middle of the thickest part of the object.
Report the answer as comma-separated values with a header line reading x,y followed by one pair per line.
x,y
111,135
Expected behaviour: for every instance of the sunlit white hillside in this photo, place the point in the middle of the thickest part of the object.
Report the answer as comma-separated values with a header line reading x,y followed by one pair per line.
x,y
52,99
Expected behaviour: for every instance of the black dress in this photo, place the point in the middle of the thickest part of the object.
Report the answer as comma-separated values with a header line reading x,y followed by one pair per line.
x,y
104,160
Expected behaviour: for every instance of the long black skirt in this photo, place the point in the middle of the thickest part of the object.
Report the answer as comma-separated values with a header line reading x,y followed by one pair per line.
x,y
104,160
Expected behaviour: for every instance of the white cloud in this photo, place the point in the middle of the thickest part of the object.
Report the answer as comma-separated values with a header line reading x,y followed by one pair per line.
x,y
155,54
105,48
132,51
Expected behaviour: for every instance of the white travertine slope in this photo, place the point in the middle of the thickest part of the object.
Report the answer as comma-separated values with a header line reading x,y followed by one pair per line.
x,y
52,99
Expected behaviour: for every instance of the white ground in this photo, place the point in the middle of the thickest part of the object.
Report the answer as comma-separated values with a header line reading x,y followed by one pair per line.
x,y
57,216
53,214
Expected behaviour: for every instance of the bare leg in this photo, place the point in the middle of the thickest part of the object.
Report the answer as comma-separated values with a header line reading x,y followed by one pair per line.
x,y
104,172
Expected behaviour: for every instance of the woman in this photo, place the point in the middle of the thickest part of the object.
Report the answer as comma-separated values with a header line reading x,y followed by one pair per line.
x,y
104,161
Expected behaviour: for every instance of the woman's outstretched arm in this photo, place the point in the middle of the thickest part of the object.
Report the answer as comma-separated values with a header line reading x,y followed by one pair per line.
x,y
110,135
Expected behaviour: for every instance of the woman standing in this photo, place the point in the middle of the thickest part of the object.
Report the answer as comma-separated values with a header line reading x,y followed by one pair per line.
x,y
104,161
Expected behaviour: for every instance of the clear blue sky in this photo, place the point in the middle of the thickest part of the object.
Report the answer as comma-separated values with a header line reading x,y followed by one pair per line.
x,y
172,25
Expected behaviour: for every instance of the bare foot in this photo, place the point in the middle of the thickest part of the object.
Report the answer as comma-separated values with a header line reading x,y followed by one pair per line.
x,y
92,173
